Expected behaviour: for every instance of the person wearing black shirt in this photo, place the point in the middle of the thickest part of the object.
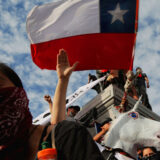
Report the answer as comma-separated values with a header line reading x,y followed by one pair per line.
x,y
141,82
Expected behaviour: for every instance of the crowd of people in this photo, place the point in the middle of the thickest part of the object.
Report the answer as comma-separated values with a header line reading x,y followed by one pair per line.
x,y
133,84
20,139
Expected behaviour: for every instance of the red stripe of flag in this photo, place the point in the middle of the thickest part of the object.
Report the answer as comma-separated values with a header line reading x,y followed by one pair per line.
x,y
90,50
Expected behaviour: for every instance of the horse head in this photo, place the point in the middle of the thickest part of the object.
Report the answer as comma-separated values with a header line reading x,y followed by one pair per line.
x,y
131,131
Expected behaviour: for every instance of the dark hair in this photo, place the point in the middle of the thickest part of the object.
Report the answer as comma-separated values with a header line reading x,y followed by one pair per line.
x,y
77,108
138,68
107,120
11,75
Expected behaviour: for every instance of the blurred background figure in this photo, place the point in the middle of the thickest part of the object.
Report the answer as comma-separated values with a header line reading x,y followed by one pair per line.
x,y
101,73
139,154
113,78
92,78
129,87
72,111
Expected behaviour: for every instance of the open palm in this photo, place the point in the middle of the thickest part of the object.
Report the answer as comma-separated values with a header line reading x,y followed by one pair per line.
x,y
64,69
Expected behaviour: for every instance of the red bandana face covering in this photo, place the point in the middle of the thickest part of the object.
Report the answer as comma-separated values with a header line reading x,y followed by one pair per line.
x,y
15,117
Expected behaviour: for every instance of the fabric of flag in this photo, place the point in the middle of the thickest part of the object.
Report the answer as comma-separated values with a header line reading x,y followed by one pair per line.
x,y
100,34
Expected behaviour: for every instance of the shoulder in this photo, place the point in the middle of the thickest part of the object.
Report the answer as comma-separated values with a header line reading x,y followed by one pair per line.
x,y
144,74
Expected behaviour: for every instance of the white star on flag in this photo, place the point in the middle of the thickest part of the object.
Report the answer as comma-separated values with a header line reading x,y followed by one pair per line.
x,y
117,14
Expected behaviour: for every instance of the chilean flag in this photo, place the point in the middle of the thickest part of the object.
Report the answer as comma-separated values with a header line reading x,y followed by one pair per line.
x,y
100,34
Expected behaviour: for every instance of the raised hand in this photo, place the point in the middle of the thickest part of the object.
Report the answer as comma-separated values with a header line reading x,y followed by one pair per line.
x,y
48,98
64,69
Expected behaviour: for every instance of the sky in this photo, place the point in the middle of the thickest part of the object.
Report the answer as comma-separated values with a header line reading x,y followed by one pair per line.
x,y
15,51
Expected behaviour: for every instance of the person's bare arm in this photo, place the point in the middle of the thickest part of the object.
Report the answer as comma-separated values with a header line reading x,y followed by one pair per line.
x,y
49,100
64,71
99,135
104,128
147,81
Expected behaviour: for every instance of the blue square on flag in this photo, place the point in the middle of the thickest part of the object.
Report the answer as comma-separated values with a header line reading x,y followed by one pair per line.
x,y
117,16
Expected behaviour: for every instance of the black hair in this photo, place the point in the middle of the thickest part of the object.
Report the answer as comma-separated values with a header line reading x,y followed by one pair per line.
x,y
77,108
138,68
11,75
107,120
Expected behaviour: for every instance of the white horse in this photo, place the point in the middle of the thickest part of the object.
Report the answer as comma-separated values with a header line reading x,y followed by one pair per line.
x,y
131,131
